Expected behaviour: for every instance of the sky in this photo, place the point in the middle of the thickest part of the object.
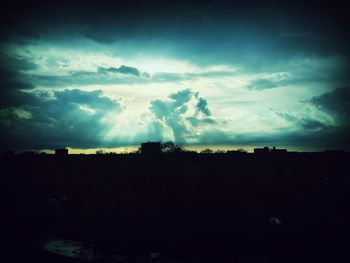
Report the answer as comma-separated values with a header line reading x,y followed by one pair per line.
x,y
199,73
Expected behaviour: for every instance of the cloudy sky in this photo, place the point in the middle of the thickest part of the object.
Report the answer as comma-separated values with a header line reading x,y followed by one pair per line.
x,y
218,73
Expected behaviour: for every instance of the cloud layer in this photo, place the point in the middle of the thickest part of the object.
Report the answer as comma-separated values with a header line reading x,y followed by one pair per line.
x,y
72,118
208,73
186,114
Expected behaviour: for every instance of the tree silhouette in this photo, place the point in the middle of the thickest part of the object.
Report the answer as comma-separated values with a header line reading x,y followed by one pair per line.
x,y
170,147
207,151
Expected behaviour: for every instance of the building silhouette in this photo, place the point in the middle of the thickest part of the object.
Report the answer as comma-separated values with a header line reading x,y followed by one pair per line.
x,y
267,150
275,150
151,148
61,152
264,150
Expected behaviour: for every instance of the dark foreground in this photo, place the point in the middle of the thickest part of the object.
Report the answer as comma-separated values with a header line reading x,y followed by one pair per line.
x,y
186,207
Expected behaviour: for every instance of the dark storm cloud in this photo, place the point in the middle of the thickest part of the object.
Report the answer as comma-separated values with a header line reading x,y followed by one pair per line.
x,y
222,30
18,64
9,82
9,71
336,102
64,118
254,35
315,131
306,123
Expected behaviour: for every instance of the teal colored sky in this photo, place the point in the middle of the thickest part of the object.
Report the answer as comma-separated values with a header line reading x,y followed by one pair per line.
x,y
109,75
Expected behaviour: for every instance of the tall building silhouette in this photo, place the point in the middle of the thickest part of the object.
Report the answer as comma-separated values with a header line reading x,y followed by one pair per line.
x,y
150,148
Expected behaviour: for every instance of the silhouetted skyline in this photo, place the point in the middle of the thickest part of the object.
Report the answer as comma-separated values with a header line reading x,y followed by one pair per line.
x,y
179,204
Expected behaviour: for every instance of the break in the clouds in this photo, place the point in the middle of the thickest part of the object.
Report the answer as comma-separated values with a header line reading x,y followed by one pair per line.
x,y
93,75
186,114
